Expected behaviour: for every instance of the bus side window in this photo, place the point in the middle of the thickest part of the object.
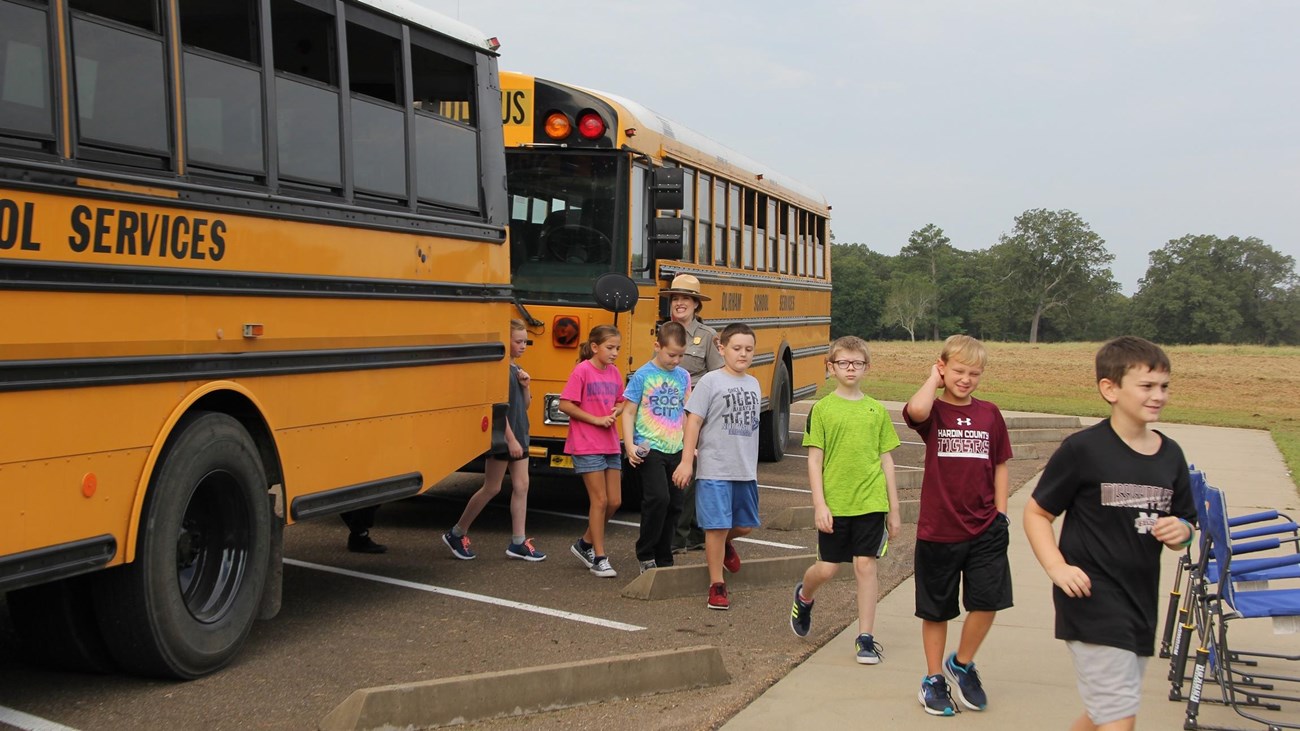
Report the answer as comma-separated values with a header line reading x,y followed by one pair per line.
x,y
446,121
688,213
307,94
719,222
378,105
26,93
221,63
705,189
821,248
640,222
121,81
770,236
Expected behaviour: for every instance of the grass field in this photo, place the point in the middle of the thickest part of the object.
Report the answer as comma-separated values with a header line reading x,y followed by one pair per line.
x,y
1254,387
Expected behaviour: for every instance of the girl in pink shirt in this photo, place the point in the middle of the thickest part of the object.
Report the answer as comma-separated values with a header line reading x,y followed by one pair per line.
x,y
592,399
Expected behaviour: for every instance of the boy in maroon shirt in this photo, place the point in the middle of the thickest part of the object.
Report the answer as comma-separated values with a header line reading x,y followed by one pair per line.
x,y
961,534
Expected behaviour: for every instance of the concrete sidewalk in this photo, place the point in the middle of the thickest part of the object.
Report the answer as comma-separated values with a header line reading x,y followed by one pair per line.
x,y
1026,671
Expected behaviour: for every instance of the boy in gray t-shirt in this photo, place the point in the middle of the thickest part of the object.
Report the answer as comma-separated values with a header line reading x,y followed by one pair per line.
x,y
722,422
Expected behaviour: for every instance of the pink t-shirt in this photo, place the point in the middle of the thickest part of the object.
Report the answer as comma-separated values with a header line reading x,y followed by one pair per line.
x,y
596,391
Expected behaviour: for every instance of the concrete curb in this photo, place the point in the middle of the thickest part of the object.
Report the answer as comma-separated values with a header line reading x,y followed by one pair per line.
x,y
674,582
448,701
801,517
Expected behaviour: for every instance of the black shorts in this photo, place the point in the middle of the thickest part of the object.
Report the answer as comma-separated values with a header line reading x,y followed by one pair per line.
x,y
979,566
854,535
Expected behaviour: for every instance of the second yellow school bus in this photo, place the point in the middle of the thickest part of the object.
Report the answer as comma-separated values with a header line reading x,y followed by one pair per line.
x,y
598,184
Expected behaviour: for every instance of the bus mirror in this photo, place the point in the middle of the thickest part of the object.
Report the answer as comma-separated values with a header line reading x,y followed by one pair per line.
x,y
667,236
667,189
615,292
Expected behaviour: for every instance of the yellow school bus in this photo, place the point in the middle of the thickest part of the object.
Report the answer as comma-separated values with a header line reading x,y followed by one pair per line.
x,y
251,272
600,184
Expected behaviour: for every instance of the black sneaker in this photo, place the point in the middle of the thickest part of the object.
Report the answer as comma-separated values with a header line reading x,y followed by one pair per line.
x,y
361,543
934,696
966,685
586,555
800,613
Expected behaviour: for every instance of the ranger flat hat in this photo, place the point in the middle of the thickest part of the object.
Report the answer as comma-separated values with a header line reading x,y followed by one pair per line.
x,y
685,284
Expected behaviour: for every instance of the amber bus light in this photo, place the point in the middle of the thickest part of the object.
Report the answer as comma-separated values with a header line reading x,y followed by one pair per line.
x,y
558,125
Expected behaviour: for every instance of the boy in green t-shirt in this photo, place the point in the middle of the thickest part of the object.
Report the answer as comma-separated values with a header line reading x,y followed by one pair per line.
x,y
855,501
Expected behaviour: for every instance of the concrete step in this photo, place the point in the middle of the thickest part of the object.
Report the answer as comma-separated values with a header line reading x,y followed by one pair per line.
x,y
1031,436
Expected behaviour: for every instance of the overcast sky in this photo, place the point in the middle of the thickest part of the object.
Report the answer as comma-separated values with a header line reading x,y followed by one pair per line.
x,y
1149,119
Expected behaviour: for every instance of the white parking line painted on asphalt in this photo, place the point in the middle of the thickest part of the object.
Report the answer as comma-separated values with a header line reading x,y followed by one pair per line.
x,y
509,604
631,524
787,489
28,722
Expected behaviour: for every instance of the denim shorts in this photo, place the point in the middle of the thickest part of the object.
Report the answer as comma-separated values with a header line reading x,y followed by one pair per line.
x,y
726,504
584,463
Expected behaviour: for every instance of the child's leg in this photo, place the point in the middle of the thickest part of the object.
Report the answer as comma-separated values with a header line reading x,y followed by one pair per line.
x,y
1083,723
597,500
613,492
519,497
986,576
816,575
934,637
715,541
973,632
676,501
493,471
655,496
864,570
735,533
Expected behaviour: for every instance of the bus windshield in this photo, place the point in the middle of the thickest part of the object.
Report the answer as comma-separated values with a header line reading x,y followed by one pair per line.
x,y
566,222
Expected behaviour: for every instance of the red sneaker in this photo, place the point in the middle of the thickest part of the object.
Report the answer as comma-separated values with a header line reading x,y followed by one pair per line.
x,y
718,597
730,559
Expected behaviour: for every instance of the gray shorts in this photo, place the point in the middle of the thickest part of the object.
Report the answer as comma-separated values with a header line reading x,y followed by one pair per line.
x,y
1109,679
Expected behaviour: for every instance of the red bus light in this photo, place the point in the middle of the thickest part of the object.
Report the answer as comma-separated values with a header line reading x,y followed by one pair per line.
x,y
558,126
590,125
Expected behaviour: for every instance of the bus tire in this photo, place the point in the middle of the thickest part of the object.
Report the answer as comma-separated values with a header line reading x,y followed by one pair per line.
x,y
774,424
56,626
186,604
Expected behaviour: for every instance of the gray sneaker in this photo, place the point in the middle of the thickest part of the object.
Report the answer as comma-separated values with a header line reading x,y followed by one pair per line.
x,y
601,568
647,565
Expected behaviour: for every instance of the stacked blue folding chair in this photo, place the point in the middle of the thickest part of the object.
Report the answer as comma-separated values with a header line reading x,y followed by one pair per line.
x,y
1186,619
1228,603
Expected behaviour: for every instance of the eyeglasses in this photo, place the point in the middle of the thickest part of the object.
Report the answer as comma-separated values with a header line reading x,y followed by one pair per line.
x,y
850,365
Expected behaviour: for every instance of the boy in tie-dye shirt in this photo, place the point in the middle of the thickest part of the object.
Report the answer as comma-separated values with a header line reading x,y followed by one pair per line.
x,y
652,439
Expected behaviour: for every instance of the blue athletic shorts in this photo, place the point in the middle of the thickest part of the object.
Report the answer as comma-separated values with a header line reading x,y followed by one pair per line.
x,y
583,463
726,504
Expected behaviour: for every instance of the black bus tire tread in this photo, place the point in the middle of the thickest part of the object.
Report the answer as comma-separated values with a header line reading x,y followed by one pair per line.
x,y
143,615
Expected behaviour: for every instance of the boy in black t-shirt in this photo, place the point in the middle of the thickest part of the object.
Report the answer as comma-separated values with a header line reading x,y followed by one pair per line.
x,y
1125,491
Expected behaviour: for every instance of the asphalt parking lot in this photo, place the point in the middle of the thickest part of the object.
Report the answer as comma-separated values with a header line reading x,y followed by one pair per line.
x,y
415,613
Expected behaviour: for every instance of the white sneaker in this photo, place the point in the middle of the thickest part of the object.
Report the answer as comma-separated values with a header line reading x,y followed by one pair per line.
x,y
602,568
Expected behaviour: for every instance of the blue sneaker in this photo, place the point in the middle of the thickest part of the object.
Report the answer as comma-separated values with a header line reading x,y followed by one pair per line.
x,y
459,546
800,613
934,696
869,651
525,551
966,685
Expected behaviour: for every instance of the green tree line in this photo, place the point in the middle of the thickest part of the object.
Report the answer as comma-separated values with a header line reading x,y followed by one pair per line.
x,y
1049,280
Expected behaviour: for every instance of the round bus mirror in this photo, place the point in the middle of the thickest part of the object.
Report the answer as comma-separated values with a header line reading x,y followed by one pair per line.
x,y
615,292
